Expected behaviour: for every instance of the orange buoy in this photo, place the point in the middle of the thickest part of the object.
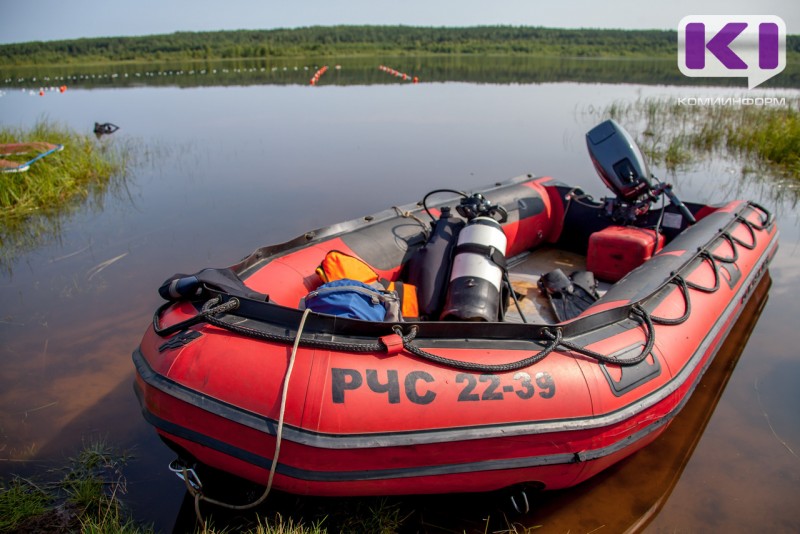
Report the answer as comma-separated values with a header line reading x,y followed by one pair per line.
x,y
405,76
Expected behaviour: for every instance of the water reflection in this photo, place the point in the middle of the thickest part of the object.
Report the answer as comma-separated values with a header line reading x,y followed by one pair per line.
x,y
630,496
28,232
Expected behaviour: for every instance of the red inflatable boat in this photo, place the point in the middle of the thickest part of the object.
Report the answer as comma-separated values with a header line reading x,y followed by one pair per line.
x,y
483,383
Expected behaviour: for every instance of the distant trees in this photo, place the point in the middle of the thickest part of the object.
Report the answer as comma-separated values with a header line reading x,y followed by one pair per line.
x,y
353,40
330,40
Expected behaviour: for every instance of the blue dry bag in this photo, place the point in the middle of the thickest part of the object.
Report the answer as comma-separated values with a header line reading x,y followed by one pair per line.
x,y
353,299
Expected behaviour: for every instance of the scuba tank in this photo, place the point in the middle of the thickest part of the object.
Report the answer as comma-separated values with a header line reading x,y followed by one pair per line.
x,y
476,277
429,267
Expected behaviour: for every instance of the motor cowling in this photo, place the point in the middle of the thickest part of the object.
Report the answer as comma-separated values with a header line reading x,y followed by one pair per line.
x,y
476,276
622,167
618,161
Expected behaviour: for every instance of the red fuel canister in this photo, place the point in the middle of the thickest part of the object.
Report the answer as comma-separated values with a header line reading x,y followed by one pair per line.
x,y
617,250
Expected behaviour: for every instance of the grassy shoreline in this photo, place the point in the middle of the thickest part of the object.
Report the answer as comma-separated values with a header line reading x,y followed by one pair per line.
x,y
34,203
87,495
72,173
83,496
764,139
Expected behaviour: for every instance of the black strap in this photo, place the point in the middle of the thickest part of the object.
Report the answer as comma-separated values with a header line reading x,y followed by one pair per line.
x,y
492,253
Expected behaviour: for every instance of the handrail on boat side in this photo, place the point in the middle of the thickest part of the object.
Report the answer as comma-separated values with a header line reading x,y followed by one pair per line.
x,y
554,336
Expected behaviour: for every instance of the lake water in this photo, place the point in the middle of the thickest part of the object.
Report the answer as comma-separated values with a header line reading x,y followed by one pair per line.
x,y
249,155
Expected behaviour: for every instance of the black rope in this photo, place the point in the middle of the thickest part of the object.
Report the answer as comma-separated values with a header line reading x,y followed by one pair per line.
x,y
638,313
753,238
681,283
213,307
706,256
734,255
472,366
210,308
766,221
514,296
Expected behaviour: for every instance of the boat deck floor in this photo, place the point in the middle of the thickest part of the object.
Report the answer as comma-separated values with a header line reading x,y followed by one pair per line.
x,y
524,272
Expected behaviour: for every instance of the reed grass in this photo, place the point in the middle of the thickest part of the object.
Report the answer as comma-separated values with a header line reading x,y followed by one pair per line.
x,y
19,501
278,525
74,173
87,495
674,134
34,204
774,137
380,516
373,515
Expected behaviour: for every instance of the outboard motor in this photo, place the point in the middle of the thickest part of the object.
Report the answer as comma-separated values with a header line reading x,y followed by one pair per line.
x,y
476,277
621,166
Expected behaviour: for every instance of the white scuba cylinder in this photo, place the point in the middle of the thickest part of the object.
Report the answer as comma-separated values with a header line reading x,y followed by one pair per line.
x,y
476,276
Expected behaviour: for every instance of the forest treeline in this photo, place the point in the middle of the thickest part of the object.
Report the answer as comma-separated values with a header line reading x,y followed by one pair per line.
x,y
347,40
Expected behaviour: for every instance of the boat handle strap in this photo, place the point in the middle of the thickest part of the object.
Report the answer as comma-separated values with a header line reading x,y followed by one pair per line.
x,y
209,309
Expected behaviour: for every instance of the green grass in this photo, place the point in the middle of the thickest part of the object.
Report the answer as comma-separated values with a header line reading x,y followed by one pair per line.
x,y
72,174
87,496
373,515
19,501
675,134
773,137
34,204
380,516
277,525
84,497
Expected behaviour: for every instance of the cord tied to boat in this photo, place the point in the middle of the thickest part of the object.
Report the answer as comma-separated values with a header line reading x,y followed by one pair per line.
x,y
549,337
751,227
555,335
473,366
636,313
404,339
192,481
213,307
766,221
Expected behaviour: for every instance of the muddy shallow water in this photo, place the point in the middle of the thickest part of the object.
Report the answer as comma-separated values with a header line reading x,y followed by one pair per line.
x,y
222,169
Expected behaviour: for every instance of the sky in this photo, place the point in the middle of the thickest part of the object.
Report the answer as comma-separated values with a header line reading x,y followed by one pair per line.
x,y
48,20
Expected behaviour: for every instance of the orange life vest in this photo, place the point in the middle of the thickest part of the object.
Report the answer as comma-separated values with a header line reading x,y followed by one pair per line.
x,y
338,265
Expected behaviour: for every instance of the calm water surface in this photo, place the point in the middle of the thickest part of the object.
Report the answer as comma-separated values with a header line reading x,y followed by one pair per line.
x,y
221,170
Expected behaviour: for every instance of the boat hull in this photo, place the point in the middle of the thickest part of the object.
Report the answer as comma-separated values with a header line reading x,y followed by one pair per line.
x,y
387,421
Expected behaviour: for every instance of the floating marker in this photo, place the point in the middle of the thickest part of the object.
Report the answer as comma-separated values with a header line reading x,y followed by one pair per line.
x,y
318,75
398,74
